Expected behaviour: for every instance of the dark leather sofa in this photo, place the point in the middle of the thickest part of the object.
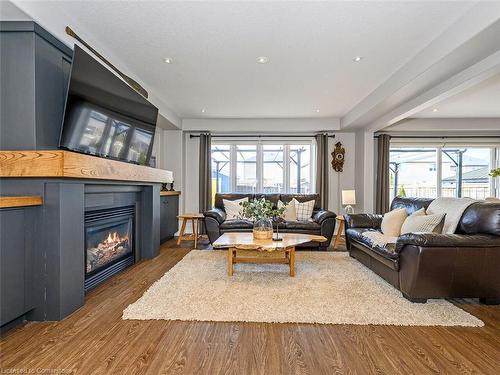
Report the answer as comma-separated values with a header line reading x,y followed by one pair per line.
x,y
465,264
323,221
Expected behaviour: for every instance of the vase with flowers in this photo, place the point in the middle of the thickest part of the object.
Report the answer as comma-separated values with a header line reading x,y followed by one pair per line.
x,y
261,211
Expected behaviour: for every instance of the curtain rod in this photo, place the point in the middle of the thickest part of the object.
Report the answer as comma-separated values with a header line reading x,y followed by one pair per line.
x,y
439,136
261,136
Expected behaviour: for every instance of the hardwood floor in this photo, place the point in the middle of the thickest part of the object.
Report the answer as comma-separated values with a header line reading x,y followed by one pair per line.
x,y
95,340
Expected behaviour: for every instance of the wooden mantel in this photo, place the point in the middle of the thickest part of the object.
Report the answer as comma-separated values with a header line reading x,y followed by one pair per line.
x,y
67,164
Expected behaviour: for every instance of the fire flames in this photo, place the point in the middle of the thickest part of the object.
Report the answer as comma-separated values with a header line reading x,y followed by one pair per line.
x,y
113,240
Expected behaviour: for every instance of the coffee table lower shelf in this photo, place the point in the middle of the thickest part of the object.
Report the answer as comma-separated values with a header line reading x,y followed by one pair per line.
x,y
284,256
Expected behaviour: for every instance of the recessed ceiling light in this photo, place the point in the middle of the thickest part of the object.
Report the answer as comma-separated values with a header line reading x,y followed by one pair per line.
x,y
168,60
316,110
357,58
203,110
435,110
262,59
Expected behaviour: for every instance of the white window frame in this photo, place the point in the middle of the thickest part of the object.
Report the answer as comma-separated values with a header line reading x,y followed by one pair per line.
x,y
286,143
479,143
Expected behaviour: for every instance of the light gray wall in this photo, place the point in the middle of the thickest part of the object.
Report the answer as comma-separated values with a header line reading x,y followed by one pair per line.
x,y
179,153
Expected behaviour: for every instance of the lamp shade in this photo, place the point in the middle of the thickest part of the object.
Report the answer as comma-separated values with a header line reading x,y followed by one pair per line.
x,y
348,197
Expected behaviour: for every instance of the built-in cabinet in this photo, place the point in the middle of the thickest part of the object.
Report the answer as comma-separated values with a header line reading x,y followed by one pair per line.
x,y
169,209
35,68
17,232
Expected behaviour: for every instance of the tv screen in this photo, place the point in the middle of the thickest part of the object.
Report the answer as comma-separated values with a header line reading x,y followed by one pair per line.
x,y
104,116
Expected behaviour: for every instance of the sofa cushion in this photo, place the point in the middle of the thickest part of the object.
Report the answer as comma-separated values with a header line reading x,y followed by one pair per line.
x,y
393,221
356,234
419,222
481,217
235,224
304,210
229,196
233,208
272,197
285,198
290,213
410,204
301,225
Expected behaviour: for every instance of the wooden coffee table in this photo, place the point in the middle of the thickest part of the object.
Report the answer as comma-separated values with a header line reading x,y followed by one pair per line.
x,y
243,248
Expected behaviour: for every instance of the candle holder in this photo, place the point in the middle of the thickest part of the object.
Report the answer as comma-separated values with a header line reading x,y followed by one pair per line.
x,y
276,236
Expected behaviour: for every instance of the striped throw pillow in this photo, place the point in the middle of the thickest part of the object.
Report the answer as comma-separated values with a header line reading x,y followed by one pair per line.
x,y
419,222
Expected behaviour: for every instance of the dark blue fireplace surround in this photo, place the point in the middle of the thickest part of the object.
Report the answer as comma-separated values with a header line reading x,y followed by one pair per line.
x,y
42,247
51,238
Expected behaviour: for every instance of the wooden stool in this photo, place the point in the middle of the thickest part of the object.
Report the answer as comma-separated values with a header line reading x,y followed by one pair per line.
x,y
195,219
341,222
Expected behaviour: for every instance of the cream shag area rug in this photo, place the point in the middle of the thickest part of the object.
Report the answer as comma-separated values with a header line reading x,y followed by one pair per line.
x,y
329,288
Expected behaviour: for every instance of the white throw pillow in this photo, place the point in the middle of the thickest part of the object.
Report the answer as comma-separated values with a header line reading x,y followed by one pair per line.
x,y
419,222
290,211
393,221
304,209
233,208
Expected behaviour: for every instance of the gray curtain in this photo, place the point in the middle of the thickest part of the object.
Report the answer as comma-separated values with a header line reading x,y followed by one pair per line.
x,y
382,188
205,182
322,168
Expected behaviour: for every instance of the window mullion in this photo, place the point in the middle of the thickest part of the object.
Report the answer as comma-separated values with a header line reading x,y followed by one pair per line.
x,y
259,168
232,162
439,171
493,164
286,168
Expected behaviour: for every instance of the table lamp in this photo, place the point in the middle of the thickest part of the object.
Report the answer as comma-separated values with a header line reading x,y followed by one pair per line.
x,y
348,199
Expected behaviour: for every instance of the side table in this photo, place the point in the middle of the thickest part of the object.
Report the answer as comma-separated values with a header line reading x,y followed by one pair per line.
x,y
195,219
341,222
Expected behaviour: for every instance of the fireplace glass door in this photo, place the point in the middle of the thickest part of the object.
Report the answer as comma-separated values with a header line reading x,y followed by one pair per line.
x,y
109,243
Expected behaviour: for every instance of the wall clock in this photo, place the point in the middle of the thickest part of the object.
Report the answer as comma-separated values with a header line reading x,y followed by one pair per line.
x,y
338,157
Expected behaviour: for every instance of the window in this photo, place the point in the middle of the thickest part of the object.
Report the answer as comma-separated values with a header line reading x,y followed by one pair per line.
x,y
300,168
429,172
246,168
412,172
273,169
221,169
267,167
465,172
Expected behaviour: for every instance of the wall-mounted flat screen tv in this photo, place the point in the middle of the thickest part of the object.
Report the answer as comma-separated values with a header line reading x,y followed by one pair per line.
x,y
104,116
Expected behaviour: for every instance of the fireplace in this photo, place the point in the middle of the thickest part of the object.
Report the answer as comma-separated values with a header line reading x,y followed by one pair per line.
x,y
109,243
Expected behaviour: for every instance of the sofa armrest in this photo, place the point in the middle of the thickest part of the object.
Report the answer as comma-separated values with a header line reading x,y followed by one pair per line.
x,y
447,240
372,221
322,215
216,214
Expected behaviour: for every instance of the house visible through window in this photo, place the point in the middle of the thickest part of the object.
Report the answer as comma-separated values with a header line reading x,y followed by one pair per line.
x,y
263,167
429,172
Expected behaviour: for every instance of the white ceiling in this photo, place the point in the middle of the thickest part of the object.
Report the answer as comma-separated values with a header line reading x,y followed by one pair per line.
x,y
480,101
214,46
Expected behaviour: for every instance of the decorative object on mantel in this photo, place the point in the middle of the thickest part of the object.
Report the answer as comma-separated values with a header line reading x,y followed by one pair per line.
x,y
172,186
348,199
135,85
338,157
261,211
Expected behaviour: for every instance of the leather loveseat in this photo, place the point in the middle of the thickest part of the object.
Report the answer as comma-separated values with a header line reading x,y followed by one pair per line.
x,y
465,264
322,223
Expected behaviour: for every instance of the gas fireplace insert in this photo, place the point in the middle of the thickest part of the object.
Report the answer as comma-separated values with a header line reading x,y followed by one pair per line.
x,y
109,243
